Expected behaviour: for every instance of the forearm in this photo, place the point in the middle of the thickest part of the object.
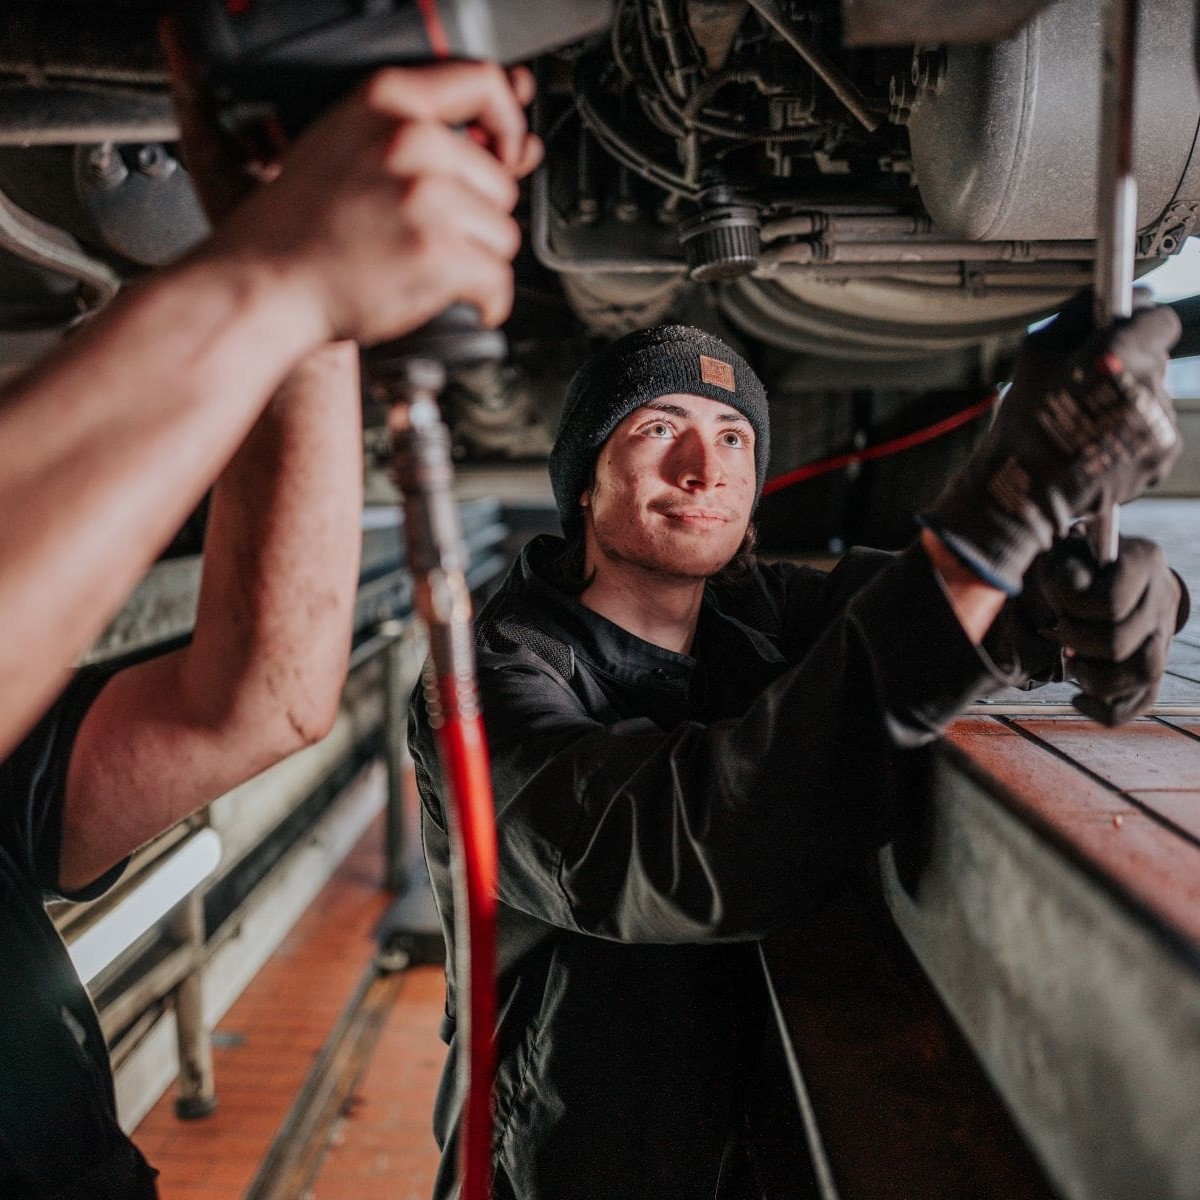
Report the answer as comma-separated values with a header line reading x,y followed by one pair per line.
x,y
281,562
105,449
263,673
976,604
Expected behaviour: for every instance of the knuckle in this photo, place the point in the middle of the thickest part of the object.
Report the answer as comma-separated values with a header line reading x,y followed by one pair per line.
x,y
512,231
425,195
379,90
390,92
406,144
1124,646
495,76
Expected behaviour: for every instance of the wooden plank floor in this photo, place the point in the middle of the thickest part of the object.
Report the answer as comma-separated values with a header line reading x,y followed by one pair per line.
x,y
381,1144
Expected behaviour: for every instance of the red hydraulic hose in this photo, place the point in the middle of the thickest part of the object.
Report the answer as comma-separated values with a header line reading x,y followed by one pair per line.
x,y
437,559
836,462
465,768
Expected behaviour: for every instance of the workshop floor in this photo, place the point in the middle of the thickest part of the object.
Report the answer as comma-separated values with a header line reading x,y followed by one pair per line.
x,y
380,1144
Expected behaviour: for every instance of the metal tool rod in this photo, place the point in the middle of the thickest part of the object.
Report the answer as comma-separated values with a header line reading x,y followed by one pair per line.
x,y
1116,208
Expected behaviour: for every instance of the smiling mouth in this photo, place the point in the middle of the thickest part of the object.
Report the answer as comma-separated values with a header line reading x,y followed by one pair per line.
x,y
696,516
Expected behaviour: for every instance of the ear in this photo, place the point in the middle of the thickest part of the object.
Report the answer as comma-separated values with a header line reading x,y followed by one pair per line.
x,y
585,499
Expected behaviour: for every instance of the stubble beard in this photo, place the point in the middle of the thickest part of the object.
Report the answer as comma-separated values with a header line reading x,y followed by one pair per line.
x,y
653,563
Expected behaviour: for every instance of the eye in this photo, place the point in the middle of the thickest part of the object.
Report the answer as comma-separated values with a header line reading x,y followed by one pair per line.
x,y
657,429
733,437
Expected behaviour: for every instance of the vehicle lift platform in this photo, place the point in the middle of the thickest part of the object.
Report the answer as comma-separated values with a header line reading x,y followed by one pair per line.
x,y
1010,1006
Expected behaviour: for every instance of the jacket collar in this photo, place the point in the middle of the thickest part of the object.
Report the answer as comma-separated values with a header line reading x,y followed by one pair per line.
x,y
612,649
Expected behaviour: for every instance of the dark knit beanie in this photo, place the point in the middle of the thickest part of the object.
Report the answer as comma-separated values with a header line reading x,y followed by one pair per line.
x,y
635,369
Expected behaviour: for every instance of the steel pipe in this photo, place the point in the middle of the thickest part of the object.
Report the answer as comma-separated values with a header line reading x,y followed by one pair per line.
x,y
915,250
822,66
42,245
539,220
69,114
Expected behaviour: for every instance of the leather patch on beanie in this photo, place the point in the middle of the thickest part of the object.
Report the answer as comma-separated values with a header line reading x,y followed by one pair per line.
x,y
719,374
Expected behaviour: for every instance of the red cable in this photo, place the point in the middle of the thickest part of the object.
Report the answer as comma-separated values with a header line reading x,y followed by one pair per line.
x,y
439,43
464,755
823,466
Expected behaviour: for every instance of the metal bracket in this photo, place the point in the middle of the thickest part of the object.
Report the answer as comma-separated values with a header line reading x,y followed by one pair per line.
x,y
1173,228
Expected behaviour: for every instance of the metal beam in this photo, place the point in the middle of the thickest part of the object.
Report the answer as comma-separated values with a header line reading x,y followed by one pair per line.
x,y
1083,1006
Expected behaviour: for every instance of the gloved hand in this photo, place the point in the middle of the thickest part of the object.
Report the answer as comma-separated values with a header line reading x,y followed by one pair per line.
x,y
1114,622
1087,420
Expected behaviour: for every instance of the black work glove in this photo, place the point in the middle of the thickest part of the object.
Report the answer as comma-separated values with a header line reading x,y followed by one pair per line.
x,y
1115,622
1086,421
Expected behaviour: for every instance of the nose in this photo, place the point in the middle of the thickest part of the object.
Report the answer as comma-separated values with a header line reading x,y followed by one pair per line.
x,y
697,465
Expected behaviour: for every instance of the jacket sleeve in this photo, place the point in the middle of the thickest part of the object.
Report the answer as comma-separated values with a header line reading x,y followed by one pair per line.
x,y
804,602
723,831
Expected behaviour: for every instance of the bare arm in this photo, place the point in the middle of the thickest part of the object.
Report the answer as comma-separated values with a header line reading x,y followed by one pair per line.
x,y
380,218
104,451
263,673
976,604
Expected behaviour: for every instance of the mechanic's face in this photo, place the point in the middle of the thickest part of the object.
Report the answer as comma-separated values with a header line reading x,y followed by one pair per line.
x,y
673,488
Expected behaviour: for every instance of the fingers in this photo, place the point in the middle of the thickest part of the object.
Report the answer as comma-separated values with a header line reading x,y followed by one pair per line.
x,y
1116,692
1116,710
1117,629
521,80
1112,641
456,94
452,212
426,147
385,214
531,156
473,275
1125,603
1079,589
1103,676
1144,340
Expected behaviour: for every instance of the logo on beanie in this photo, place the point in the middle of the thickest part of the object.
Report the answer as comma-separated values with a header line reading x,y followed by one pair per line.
x,y
718,373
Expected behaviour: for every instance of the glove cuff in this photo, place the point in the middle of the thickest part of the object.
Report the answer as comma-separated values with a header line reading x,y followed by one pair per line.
x,y
970,556
996,540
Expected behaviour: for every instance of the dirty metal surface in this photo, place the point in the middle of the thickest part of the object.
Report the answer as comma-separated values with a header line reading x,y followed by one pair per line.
x,y
933,22
1082,1004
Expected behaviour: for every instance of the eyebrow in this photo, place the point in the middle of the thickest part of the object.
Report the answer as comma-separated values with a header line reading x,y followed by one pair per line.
x,y
674,410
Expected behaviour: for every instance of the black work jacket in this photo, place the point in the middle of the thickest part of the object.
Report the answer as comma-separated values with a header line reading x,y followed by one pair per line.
x,y
656,814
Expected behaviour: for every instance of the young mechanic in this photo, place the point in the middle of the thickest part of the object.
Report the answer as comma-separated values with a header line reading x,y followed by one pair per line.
x,y
233,365
690,748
